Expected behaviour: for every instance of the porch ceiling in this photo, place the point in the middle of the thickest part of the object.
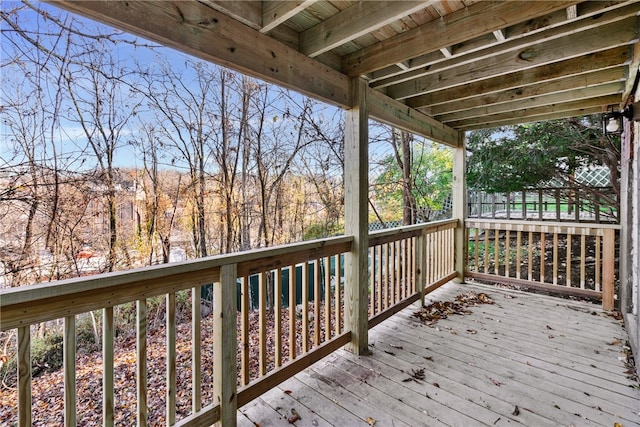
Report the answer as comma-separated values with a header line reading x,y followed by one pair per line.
x,y
459,65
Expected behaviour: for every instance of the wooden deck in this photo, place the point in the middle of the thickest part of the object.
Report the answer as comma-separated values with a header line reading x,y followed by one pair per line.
x,y
526,360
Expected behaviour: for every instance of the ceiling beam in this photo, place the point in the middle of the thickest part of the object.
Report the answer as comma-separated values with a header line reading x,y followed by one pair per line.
x,y
608,75
467,23
528,115
533,102
398,115
359,19
514,81
549,116
583,24
198,30
247,12
543,53
275,13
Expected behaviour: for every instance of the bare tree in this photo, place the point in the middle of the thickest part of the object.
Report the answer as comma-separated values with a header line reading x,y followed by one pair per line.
x,y
103,107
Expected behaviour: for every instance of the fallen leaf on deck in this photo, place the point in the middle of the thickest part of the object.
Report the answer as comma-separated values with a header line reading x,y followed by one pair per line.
x,y
437,310
472,331
428,358
516,411
616,341
549,327
390,352
419,374
294,416
399,347
287,392
436,385
495,382
370,421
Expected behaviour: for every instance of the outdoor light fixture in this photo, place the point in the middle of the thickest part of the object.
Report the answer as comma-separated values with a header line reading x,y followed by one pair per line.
x,y
612,119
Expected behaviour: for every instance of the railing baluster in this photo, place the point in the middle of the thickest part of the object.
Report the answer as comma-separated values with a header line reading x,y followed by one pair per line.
x,y
305,307
292,312
245,372
555,258
530,257
486,250
542,255
507,258
518,253
171,358
372,281
277,296
496,236
196,350
568,258
411,288
476,250
379,284
392,274
262,308
316,303
384,264
24,376
69,363
107,367
583,259
327,298
338,296
598,263
141,362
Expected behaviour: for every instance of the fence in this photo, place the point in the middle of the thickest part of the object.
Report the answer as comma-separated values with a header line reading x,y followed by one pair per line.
x,y
543,204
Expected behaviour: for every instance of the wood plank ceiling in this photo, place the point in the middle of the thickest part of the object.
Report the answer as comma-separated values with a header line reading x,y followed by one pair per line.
x,y
468,64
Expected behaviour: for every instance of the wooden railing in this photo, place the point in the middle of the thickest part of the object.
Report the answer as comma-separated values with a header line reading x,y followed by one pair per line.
x,y
569,258
400,258
258,340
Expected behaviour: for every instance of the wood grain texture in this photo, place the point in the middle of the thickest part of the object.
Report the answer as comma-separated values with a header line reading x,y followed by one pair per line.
x,y
478,368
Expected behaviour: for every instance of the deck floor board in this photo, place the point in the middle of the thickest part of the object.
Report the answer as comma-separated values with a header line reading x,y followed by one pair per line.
x,y
559,361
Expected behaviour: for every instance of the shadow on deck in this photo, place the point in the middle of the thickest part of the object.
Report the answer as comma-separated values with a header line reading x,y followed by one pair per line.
x,y
525,360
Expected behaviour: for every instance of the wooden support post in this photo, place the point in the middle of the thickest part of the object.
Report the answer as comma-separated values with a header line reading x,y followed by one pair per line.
x,y
608,266
356,182
224,346
459,202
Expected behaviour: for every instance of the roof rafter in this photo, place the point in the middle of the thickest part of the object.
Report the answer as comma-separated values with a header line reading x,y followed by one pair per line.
x,y
473,21
585,23
544,53
564,109
275,13
574,66
563,84
353,22
533,102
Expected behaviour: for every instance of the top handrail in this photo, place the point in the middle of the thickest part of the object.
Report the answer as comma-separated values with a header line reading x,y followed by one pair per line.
x,y
26,305
525,223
